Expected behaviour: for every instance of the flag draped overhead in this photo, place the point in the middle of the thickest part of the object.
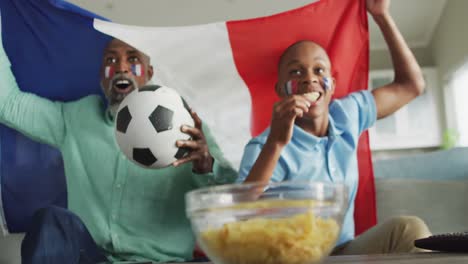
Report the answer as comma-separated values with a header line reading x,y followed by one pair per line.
x,y
55,53
226,71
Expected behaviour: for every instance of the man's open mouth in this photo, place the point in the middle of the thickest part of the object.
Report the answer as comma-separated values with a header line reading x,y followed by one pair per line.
x,y
122,86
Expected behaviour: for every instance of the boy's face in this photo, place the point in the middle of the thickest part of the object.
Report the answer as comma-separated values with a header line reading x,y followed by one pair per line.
x,y
308,66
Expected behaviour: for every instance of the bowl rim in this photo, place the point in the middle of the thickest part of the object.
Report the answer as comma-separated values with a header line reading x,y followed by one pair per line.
x,y
245,186
193,205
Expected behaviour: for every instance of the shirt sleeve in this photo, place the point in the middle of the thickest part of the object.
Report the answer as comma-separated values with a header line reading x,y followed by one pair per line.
x,y
363,104
36,117
251,152
222,173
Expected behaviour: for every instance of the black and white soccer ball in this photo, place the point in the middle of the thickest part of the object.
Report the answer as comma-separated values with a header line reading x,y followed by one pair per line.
x,y
148,124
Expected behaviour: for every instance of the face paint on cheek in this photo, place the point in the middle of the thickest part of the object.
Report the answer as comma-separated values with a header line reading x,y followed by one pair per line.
x,y
290,87
109,72
327,83
138,70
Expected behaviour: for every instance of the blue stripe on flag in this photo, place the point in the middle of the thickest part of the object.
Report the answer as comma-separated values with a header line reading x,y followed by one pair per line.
x,y
48,60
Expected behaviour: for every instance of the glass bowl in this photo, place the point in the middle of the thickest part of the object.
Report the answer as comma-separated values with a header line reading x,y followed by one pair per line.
x,y
287,222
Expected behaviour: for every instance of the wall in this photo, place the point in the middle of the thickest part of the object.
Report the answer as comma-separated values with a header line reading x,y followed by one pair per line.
x,y
450,40
380,59
450,45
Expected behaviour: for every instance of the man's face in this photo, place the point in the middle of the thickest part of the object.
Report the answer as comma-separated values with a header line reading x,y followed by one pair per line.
x,y
307,64
123,69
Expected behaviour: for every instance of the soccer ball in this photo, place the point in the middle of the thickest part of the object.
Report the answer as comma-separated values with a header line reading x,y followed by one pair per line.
x,y
148,124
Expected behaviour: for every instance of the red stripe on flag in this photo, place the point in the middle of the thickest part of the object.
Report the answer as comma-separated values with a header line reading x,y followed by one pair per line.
x,y
340,26
365,212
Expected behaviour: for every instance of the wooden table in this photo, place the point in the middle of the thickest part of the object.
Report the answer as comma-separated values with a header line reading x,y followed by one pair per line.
x,y
418,258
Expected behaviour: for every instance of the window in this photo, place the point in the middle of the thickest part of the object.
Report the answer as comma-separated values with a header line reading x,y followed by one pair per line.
x,y
456,104
415,125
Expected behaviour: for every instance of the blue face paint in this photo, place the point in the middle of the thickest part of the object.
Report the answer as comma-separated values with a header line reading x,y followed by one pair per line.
x,y
137,69
327,83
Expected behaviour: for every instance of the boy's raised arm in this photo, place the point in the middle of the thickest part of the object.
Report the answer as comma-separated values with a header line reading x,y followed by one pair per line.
x,y
409,81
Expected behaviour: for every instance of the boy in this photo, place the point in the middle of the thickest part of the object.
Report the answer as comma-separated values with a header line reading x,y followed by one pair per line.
x,y
312,137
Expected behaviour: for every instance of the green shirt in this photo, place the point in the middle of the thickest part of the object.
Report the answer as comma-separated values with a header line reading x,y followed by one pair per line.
x,y
133,213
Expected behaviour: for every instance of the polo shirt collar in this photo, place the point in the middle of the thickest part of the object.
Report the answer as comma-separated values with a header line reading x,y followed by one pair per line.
x,y
306,140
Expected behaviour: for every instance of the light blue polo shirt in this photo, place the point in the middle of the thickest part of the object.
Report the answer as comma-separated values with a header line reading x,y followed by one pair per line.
x,y
331,158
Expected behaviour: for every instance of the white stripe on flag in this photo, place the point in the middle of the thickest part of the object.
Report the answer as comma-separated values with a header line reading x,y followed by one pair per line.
x,y
197,61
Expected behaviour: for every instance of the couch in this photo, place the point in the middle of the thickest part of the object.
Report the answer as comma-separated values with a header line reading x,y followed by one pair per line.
x,y
431,185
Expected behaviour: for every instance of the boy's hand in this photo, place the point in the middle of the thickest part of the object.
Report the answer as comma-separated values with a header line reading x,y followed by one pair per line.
x,y
199,153
284,114
378,7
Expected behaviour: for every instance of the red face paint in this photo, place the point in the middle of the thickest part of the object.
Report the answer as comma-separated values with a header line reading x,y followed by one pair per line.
x,y
290,87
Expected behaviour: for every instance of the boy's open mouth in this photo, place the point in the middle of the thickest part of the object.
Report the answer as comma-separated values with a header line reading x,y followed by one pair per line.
x,y
313,96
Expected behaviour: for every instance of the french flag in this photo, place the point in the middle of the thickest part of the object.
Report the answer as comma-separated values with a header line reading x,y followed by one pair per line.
x,y
226,71
137,69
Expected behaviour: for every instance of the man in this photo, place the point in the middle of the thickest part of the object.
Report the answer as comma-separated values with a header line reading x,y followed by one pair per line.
x,y
131,213
312,138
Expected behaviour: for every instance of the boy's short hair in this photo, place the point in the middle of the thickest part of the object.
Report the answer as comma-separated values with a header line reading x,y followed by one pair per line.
x,y
295,44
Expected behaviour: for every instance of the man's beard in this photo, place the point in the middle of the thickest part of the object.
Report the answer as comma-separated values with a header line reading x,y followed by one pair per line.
x,y
116,91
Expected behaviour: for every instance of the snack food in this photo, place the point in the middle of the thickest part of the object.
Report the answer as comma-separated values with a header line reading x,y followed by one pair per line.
x,y
313,96
297,239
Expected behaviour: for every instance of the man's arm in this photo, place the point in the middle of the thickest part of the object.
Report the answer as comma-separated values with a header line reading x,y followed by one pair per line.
x,y
37,118
409,81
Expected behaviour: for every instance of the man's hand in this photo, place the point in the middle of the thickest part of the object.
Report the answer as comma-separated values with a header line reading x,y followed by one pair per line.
x,y
284,114
199,153
378,7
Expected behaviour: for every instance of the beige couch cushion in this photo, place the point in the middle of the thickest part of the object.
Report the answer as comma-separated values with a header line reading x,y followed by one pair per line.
x,y
441,203
10,249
